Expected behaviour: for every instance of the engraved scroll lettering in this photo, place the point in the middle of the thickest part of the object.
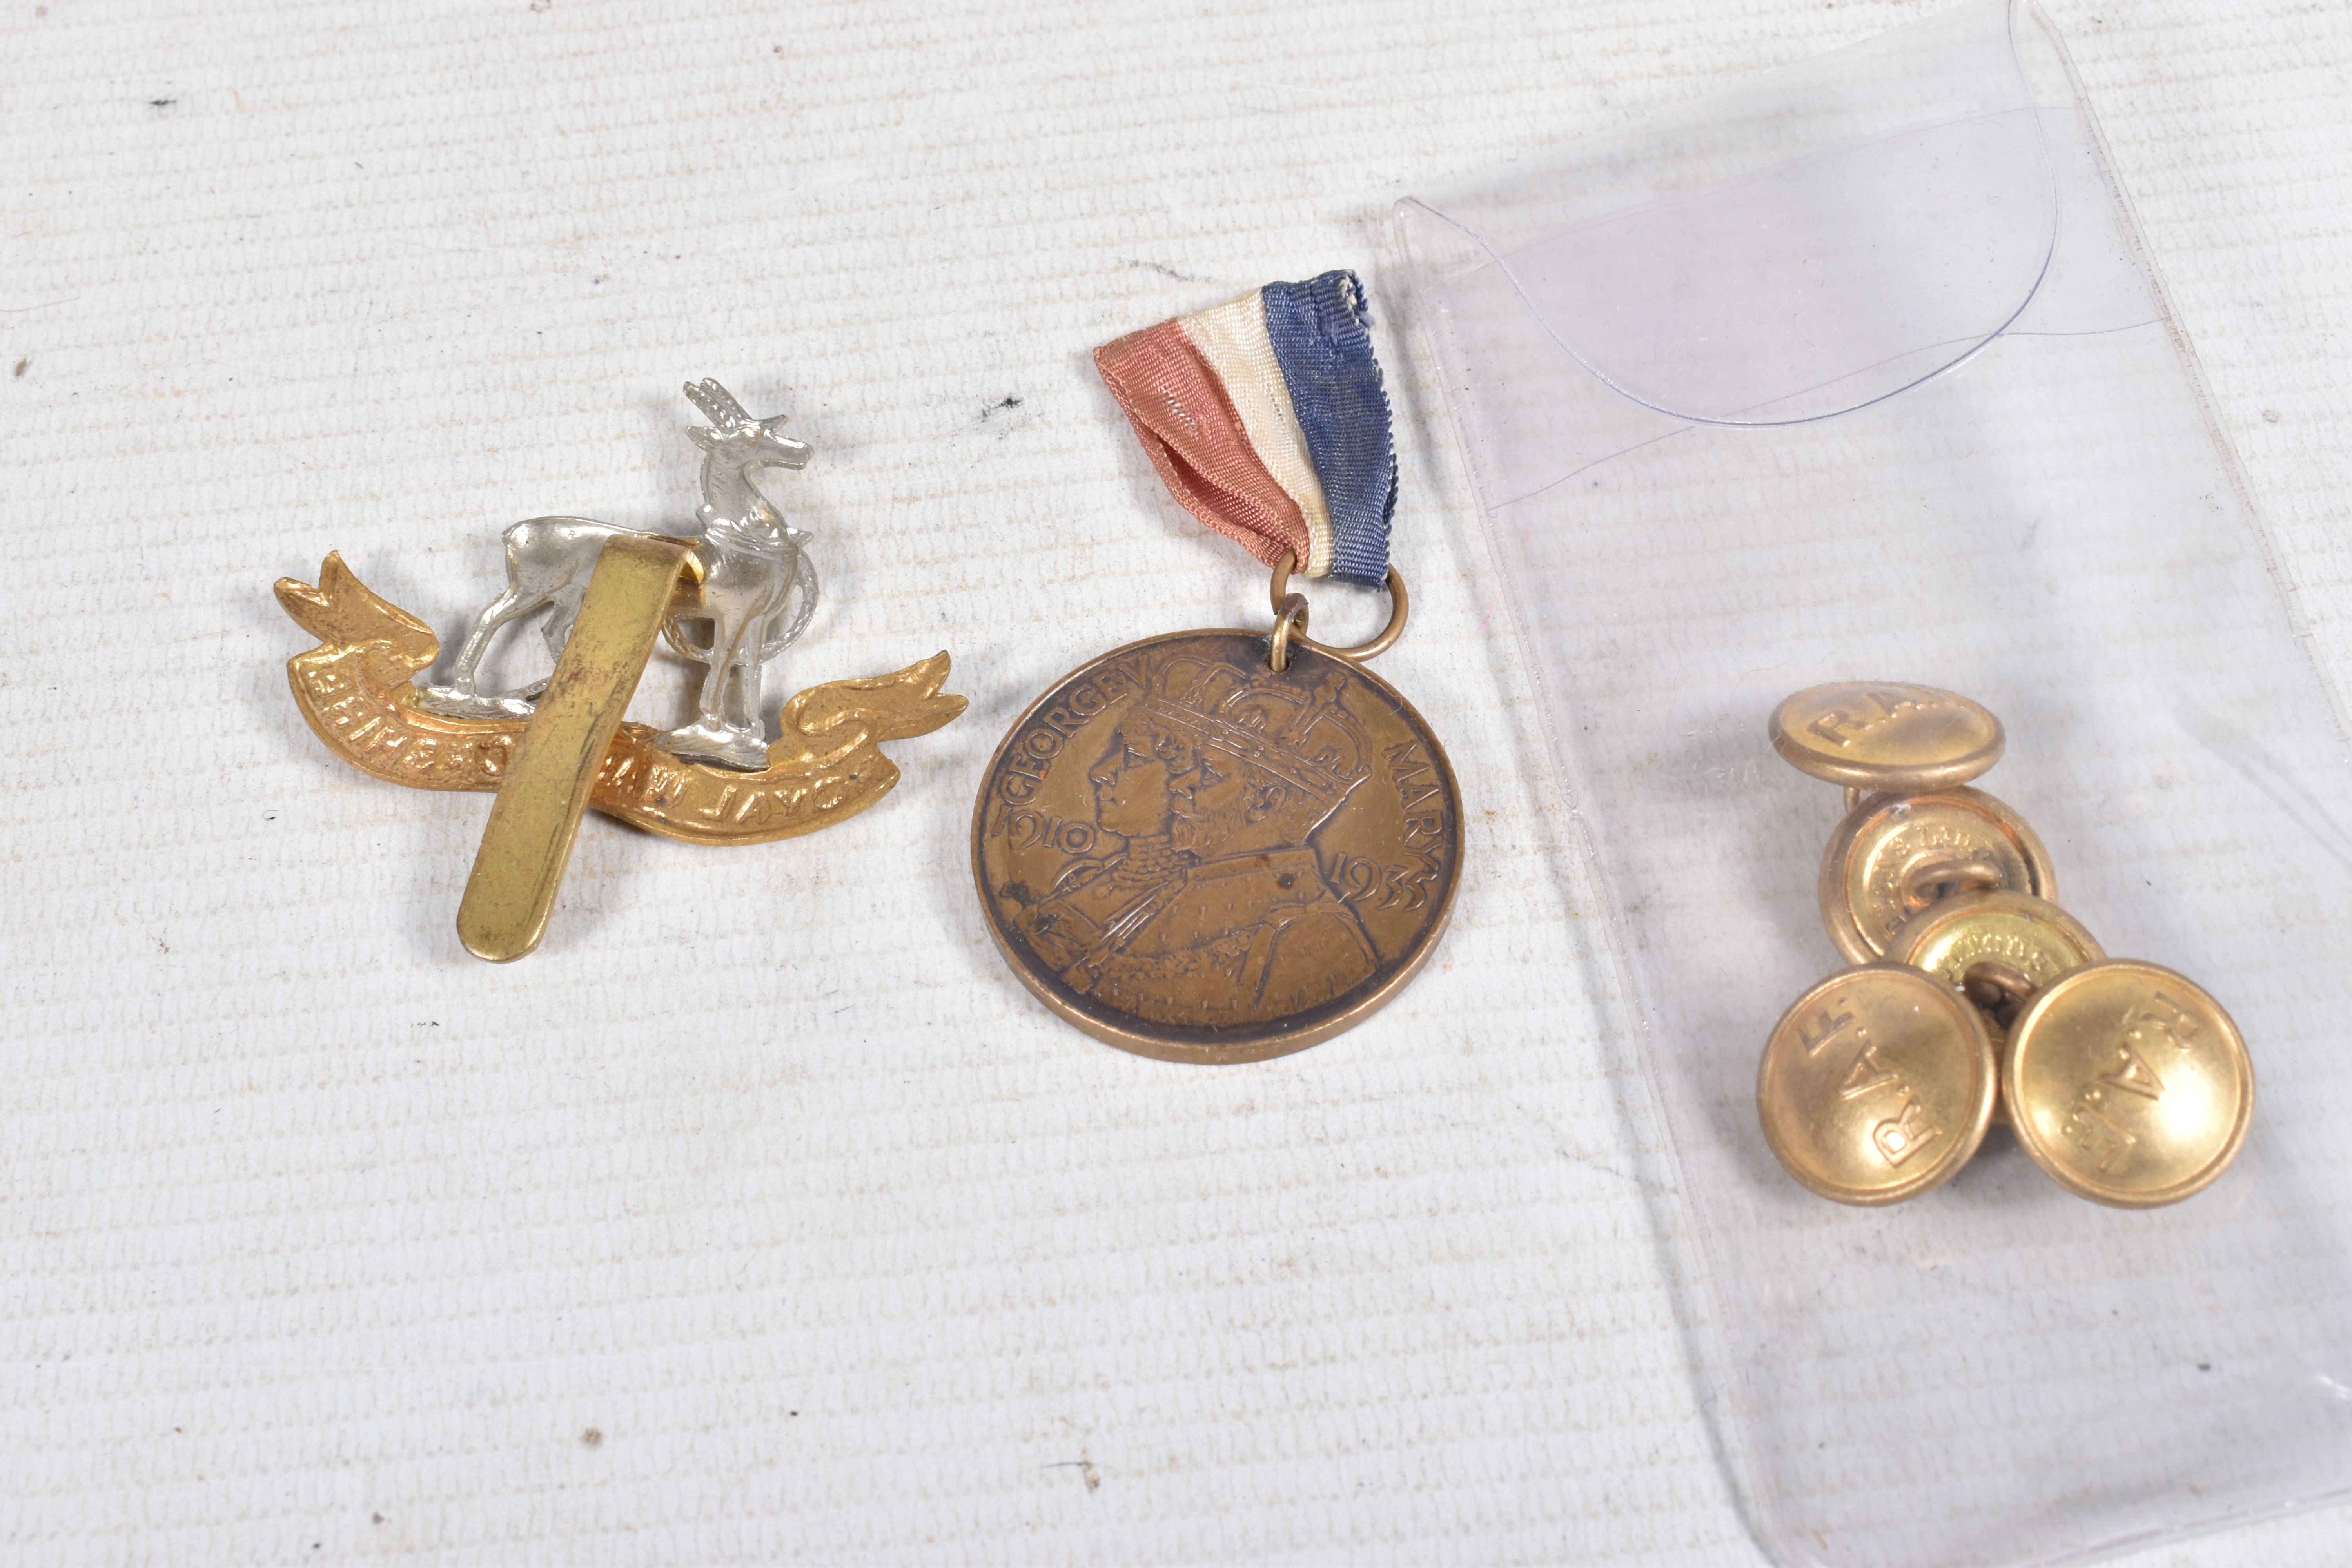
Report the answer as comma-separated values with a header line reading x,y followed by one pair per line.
x,y
354,690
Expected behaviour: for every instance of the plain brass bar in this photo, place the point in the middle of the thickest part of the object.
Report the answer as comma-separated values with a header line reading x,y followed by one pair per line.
x,y
526,846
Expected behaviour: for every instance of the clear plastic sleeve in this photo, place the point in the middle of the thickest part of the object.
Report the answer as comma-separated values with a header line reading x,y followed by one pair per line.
x,y
1859,371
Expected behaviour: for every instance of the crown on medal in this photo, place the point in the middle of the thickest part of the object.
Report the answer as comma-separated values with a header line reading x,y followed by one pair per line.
x,y
1301,735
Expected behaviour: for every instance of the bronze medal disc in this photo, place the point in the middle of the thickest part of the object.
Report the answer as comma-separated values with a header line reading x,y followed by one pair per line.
x,y
1886,735
1876,1084
2128,1084
1192,855
1892,855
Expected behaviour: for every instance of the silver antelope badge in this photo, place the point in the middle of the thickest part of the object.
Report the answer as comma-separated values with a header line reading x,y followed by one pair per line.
x,y
752,560
559,748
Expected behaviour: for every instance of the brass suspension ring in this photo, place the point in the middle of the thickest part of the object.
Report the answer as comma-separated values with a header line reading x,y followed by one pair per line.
x,y
1289,628
1398,606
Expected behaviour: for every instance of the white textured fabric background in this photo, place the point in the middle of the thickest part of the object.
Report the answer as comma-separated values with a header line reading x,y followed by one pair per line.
x,y
762,1215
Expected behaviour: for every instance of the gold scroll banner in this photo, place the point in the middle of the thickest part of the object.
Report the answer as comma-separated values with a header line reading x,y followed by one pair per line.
x,y
353,690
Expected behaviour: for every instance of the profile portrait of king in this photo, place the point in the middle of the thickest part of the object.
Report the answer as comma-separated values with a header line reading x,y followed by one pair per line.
x,y
1217,910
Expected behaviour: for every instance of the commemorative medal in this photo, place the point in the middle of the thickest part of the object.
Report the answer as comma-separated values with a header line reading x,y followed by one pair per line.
x,y
1225,846
730,598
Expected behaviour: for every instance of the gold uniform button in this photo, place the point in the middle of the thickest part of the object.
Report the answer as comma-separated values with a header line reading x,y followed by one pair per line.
x,y
2033,941
2032,936
2128,1084
1894,856
1876,1084
1879,735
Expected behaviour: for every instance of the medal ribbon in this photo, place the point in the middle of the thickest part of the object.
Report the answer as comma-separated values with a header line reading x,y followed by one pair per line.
x,y
1267,418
